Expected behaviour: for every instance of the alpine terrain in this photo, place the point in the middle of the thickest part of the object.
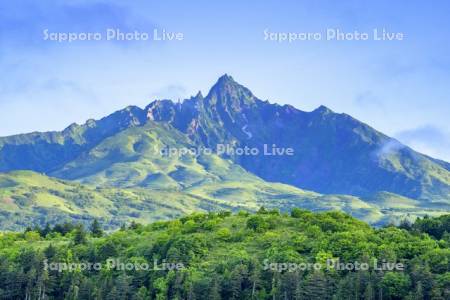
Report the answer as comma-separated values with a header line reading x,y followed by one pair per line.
x,y
133,165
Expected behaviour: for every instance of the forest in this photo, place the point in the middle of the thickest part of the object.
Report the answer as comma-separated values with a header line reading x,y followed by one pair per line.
x,y
224,255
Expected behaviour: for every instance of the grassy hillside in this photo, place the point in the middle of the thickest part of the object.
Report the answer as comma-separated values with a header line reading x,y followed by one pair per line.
x,y
28,199
267,255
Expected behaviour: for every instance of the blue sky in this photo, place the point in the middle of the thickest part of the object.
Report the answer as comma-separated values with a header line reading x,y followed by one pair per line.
x,y
399,87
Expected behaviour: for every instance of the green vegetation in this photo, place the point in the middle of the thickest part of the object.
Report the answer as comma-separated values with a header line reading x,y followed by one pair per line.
x,y
28,199
267,255
123,179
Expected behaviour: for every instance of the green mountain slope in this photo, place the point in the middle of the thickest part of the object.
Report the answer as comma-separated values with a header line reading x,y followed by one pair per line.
x,y
125,178
46,151
133,159
28,198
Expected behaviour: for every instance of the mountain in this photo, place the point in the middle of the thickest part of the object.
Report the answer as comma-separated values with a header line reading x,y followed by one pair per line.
x,y
337,162
46,151
125,178
334,153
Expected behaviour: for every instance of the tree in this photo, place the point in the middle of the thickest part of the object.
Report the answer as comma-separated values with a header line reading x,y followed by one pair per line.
x,y
418,293
369,293
262,210
395,285
214,292
161,288
108,249
123,287
315,287
257,223
96,229
238,276
113,294
80,235
405,224
224,234
227,269
255,277
297,212
47,229
73,292
87,289
142,294
134,225
50,252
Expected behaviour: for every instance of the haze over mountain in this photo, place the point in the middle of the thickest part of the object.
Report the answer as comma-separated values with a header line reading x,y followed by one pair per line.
x,y
332,154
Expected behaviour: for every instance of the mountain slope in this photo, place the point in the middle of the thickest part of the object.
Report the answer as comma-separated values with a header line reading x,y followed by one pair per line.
x,y
46,151
126,178
28,199
132,159
334,153
125,154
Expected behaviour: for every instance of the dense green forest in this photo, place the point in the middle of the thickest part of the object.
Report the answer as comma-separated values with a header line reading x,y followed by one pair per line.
x,y
218,255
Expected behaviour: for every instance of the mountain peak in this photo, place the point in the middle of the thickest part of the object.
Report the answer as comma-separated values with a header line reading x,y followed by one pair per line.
x,y
225,82
323,110
229,93
199,95
225,78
